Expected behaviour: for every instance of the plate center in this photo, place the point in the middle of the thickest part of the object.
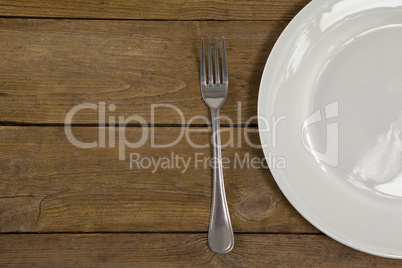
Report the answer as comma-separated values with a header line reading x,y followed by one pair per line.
x,y
363,78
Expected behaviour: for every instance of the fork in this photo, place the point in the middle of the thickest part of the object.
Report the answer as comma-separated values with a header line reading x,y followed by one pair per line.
x,y
220,233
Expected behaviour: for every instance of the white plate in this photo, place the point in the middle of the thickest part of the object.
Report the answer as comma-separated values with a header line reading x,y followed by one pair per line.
x,y
336,75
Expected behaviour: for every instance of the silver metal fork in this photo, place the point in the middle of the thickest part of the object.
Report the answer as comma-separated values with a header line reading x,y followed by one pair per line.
x,y
220,233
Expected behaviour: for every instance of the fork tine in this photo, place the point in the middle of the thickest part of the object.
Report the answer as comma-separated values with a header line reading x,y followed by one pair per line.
x,y
202,67
210,75
217,78
224,66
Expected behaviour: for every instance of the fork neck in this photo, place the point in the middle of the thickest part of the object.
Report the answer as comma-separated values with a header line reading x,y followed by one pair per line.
x,y
216,132
215,118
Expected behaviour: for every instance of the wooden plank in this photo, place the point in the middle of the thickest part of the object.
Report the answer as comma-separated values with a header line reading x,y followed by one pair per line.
x,y
50,185
156,9
47,67
180,250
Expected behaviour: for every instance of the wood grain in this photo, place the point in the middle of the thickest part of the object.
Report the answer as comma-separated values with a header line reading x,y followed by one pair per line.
x,y
47,67
179,250
49,185
134,54
156,9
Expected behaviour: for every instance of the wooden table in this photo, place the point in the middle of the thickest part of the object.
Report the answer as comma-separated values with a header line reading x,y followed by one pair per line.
x,y
61,205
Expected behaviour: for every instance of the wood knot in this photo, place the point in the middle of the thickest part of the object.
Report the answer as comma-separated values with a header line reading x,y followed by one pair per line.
x,y
18,213
256,206
18,168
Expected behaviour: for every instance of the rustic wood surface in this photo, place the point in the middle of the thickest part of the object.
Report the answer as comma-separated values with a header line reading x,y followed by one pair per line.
x,y
49,185
62,206
49,66
156,9
179,250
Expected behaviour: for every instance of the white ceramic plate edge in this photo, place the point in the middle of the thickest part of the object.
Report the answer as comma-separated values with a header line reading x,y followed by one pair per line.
x,y
269,67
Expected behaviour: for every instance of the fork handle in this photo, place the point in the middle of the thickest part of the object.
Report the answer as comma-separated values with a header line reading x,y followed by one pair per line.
x,y
220,233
